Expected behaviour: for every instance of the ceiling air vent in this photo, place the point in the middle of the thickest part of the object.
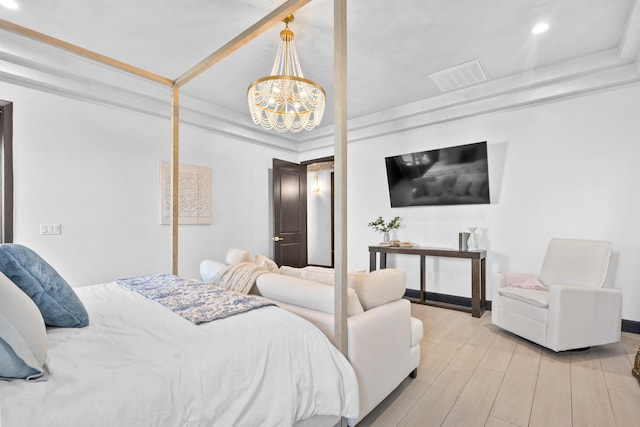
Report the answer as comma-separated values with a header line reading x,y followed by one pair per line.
x,y
462,75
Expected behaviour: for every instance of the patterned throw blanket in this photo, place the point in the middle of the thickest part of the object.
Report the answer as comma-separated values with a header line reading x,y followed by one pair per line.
x,y
195,301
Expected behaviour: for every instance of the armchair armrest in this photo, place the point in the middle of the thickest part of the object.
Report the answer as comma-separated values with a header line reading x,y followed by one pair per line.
x,y
580,317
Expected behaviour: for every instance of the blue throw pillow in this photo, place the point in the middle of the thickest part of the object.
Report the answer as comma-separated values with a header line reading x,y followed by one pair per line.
x,y
56,300
23,337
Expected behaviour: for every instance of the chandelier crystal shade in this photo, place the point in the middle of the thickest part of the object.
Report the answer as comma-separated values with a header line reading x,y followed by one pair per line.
x,y
285,100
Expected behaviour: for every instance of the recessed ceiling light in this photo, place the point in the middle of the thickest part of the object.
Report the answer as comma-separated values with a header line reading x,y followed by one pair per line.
x,y
540,28
9,4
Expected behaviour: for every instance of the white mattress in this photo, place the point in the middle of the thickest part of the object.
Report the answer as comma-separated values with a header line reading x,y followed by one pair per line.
x,y
138,364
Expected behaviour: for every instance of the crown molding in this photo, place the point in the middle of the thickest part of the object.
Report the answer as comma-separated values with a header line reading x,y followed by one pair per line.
x,y
600,71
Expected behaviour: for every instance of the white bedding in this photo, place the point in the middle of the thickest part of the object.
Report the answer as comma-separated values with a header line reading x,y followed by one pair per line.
x,y
139,364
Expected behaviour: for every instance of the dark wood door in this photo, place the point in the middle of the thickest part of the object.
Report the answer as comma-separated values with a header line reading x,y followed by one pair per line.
x,y
290,213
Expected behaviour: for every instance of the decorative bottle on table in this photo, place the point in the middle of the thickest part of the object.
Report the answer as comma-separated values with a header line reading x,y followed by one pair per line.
x,y
472,243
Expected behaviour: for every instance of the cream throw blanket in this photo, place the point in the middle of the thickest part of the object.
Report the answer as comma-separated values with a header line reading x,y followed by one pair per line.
x,y
238,277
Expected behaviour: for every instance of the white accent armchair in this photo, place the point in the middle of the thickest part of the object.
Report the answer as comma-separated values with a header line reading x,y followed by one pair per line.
x,y
577,309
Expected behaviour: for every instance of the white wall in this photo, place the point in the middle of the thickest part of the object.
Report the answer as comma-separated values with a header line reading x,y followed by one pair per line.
x,y
95,170
562,169
566,168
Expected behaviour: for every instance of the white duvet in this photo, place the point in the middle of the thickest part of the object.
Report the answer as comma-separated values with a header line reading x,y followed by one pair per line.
x,y
139,364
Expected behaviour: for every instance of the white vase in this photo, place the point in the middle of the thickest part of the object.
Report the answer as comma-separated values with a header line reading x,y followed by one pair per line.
x,y
472,243
385,237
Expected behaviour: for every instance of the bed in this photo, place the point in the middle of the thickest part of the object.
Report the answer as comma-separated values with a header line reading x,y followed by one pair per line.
x,y
139,364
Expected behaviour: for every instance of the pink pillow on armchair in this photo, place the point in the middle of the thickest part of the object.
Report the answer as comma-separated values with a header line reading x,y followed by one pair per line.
x,y
523,280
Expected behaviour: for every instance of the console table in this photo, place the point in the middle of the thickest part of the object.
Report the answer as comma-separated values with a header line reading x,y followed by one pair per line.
x,y
477,257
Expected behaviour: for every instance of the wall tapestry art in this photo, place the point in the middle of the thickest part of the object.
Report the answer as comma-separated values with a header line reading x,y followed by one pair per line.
x,y
195,194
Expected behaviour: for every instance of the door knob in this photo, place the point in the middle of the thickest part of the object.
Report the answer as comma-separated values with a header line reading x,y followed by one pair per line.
x,y
278,238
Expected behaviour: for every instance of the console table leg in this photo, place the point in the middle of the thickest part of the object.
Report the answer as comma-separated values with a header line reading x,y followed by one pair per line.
x,y
483,286
422,278
372,261
475,288
383,260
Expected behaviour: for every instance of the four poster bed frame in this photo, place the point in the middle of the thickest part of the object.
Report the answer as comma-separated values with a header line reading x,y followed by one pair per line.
x,y
347,375
340,126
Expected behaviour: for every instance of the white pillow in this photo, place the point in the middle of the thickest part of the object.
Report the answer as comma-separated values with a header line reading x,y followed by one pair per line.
x,y
267,263
304,293
318,274
324,275
236,256
23,336
285,270
378,287
210,268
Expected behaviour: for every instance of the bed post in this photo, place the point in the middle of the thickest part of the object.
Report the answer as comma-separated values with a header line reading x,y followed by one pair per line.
x,y
340,152
236,43
175,146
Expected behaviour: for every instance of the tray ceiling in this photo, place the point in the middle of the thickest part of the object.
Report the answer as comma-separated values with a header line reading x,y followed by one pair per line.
x,y
392,47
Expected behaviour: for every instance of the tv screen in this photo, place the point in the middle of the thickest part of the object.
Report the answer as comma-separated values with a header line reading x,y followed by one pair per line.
x,y
446,176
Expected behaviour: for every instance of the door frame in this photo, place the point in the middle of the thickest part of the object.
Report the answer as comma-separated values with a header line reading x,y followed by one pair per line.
x,y
6,169
322,160
302,184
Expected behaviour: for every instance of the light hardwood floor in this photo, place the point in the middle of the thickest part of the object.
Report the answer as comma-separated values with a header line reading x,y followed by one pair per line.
x,y
472,373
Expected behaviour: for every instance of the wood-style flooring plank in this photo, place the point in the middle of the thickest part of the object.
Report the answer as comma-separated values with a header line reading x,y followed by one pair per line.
x,y
474,404
437,356
551,403
497,422
499,354
616,367
473,373
514,400
555,365
436,403
395,407
631,342
626,408
552,398
590,397
445,328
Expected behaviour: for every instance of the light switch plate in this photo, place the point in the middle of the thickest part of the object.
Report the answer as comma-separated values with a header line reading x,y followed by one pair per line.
x,y
50,229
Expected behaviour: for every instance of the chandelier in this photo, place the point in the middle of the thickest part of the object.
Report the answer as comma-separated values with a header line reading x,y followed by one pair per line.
x,y
285,100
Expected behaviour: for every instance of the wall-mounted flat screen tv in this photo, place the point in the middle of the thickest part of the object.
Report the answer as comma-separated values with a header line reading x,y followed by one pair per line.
x,y
446,176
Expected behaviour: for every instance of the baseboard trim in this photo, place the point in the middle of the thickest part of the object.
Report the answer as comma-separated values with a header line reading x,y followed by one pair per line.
x,y
631,326
444,298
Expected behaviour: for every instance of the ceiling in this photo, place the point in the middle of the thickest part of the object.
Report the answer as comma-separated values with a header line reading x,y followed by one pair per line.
x,y
392,46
